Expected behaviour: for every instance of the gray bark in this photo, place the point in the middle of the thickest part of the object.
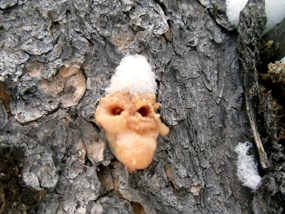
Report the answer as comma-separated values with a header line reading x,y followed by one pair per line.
x,y
55,159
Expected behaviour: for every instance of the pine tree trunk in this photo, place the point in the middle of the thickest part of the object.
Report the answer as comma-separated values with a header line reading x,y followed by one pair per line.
x,y
54,158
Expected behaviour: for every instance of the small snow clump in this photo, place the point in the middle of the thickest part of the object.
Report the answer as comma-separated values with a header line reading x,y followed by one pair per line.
x,y
133,75
247,166
233,10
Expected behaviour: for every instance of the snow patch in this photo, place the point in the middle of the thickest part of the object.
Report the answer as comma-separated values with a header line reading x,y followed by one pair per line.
x,y
275,12
247,166
233,10
134,75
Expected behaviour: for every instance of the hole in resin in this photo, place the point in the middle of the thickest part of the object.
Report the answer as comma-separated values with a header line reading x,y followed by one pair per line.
x,y
144,111
116,110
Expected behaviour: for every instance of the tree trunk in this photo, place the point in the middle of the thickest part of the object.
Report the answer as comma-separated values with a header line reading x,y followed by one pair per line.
x,y
53,156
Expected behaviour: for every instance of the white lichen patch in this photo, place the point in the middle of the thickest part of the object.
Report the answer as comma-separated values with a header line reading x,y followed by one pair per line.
x,y
133,75
247,166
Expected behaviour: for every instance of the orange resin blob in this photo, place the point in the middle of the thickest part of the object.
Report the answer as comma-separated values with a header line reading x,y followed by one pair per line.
x,y
132,127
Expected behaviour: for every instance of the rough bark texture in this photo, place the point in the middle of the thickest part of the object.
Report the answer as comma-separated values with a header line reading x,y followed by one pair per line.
x,y
55,159
250,29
